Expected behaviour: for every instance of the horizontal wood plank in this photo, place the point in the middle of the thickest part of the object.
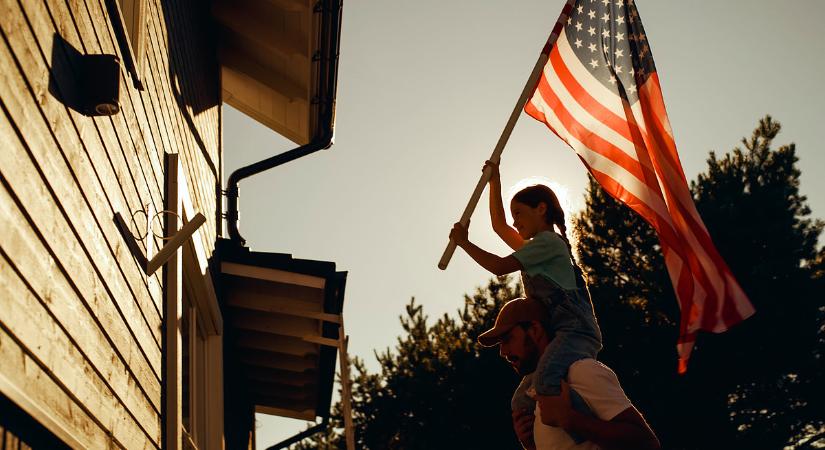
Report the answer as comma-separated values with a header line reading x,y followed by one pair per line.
x,y
185,139
49,222
32,262
26,383
130,139
75,189
86,321
30,323
119,153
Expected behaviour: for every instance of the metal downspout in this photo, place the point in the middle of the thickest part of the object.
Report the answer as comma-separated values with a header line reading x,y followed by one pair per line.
x,y
328,82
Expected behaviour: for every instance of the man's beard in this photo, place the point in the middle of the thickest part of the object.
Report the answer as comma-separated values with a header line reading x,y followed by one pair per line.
x,y
528,363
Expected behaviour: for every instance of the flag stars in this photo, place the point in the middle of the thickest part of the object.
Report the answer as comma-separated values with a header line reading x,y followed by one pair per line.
x,y
612,50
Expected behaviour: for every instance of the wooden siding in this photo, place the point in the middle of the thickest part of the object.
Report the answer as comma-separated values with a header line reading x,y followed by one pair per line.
x,y
80,321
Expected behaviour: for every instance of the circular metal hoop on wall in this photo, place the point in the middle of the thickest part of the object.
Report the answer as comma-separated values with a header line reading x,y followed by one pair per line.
x,y
135,224
165,211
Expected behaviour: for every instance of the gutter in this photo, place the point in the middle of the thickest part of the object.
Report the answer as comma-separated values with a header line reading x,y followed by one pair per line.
x,y
327,59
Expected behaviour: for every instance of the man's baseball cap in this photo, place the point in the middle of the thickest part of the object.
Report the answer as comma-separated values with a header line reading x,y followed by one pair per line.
x,y
512,313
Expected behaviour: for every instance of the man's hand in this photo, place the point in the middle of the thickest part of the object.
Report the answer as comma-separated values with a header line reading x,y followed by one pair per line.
x,y
523,425
556,410
459,234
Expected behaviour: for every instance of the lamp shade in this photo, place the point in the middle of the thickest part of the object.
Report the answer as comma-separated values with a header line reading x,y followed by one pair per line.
x,y
102,84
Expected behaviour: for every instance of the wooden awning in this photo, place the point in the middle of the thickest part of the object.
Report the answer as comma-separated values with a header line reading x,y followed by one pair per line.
x,y
282,319
266,50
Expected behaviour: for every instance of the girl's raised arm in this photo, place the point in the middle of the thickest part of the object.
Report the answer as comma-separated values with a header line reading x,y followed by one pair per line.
x,y
497,217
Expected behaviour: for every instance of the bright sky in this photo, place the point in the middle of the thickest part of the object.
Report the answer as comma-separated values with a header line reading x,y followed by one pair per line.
x,y
424,90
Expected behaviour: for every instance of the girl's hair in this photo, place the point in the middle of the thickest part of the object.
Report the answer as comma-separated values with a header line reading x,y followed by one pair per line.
x,y
554,216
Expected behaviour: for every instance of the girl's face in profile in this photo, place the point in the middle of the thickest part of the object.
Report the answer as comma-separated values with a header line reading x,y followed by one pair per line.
x,y
528,221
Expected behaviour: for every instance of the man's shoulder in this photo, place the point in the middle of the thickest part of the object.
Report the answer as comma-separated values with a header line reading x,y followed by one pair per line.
x,y
599,387
588,367
592,374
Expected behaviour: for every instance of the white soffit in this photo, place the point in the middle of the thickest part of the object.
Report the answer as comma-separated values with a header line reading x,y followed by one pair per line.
x,y
265,51
275,275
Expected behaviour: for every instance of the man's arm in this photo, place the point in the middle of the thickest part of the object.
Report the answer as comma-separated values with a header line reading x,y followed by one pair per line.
x,y
628,430
523,425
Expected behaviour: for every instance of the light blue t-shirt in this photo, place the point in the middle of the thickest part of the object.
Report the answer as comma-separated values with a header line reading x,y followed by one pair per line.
x,y
546,254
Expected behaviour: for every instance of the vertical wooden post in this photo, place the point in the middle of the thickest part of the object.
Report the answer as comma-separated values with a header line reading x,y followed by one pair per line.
x,y
214,387
194,380
346,391
172,414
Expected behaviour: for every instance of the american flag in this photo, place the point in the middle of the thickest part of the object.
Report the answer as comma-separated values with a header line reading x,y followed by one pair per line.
x,y
600,93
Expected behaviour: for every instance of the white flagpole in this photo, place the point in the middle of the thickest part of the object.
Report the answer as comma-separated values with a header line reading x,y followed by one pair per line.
x,y
532,81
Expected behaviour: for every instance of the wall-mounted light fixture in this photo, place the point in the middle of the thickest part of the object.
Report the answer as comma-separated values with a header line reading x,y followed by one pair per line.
x,y
101,84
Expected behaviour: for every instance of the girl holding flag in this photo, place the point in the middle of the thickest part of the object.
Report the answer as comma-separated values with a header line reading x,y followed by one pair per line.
x,y
543,254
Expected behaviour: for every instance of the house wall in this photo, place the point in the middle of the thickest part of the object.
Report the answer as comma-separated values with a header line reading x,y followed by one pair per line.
x,y
80,321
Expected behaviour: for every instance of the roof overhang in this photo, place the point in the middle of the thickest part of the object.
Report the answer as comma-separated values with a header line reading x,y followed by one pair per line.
x,y
268,51
282,319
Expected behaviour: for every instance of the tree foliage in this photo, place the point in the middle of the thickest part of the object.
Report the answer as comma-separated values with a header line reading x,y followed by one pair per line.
x,y
759,385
